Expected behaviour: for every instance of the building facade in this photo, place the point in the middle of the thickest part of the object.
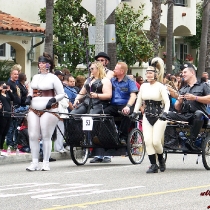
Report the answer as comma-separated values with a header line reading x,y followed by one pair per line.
x,y
27,10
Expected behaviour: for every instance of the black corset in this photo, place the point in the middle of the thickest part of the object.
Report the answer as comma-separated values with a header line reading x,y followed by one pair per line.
x,y
152,110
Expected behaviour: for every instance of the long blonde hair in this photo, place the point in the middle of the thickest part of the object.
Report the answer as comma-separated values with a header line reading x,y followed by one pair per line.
x,y
101,69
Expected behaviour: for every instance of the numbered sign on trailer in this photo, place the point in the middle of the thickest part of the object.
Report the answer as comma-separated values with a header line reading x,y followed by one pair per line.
x,y
87,123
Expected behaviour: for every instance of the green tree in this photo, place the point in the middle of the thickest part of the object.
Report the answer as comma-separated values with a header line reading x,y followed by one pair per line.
x,y
132,42
5,68
71,23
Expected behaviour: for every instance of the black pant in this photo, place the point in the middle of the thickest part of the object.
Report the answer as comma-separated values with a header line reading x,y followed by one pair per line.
x,y
196,120
125,122
83,109
4,127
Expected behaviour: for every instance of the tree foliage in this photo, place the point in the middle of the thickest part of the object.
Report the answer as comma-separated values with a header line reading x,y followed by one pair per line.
x,y
132,43
70,29
5,68
71,23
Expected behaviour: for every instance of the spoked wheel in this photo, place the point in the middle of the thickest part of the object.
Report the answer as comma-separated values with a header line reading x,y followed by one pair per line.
x,y
136,146
79,155
206,152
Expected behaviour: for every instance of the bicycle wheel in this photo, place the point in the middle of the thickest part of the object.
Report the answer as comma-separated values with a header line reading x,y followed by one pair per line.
x,y
79,155
206,152
136,146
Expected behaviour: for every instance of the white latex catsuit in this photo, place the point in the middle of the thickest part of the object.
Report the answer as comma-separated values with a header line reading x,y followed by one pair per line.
x,y
44,125
153,135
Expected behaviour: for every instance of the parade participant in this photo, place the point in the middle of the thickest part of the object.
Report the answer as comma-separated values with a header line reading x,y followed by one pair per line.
x,y
105,59
191,104
124,92
44,93
154,95
97,91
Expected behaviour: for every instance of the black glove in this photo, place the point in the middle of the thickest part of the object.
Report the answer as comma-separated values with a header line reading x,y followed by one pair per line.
x,y
50,103
134,115
163,116
28,100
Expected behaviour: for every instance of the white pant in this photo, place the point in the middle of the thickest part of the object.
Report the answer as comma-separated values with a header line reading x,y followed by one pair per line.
x,y
58,144
44,125
154,136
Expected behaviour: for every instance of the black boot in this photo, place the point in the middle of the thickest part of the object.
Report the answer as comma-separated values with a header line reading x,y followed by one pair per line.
x,y
154,167
190,144
162,163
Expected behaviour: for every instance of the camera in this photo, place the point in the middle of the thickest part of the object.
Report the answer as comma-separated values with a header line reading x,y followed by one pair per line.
x,y
4,87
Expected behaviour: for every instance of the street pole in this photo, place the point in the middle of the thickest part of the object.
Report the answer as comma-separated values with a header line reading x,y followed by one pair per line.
x,y
100,19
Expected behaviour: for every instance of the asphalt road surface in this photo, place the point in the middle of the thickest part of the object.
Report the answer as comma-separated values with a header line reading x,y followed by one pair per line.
x,y
116,185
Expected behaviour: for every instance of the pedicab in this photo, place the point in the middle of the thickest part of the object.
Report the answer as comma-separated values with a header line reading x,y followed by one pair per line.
x,y
96,134
178,132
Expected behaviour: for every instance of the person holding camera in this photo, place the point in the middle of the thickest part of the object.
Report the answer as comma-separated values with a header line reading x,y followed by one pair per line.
x,y
6,97
191,105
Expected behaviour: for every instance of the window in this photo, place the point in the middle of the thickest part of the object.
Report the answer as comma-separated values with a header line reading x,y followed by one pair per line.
x,y
163,1
3,50
180,2
183,51
176,2
12,50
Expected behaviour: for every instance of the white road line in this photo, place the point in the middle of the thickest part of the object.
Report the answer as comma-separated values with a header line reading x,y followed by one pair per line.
x,y
22,186
98,169
88,193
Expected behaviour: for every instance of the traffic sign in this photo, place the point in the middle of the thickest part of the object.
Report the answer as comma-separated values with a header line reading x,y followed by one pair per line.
x,y
90,6
109,35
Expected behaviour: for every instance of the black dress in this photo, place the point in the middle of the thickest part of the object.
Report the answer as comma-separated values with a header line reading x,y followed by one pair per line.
x,y
92,105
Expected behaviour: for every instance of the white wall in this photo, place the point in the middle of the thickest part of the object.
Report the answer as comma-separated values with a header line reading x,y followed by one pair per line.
x,y
189,20
25,9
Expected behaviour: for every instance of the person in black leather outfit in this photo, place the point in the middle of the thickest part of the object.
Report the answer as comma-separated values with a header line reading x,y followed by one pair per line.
x,y
191,105
96,92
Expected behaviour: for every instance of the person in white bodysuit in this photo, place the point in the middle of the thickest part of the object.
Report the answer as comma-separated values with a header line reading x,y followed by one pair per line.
x,y
44,93
155,96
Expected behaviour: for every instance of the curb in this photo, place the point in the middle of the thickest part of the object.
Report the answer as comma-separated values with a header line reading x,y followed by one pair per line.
x,y
26,157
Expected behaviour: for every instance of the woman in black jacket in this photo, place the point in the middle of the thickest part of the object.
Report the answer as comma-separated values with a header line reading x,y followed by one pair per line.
x,y
6,97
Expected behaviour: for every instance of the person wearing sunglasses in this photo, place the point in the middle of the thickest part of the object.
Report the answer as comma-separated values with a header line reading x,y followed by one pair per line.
x,y
95,93
105,59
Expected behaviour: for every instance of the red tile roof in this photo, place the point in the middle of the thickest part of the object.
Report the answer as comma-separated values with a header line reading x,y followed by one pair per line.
x,y
11,23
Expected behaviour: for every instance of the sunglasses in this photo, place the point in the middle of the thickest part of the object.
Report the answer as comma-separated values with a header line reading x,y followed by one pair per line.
x,y
100,60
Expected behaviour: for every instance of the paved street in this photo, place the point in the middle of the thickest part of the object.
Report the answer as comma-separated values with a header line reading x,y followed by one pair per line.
x,y
118,185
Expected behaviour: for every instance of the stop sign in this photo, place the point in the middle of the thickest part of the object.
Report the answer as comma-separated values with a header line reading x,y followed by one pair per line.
x,y
110,5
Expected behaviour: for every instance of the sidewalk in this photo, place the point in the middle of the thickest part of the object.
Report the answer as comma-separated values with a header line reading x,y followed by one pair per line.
x,y
26,157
